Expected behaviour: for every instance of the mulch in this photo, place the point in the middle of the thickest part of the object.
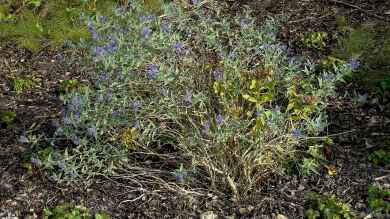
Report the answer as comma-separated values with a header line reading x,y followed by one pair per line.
x,y
366,126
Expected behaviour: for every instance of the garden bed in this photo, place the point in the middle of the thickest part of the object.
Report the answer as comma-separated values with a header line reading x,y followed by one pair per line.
x,y
357,127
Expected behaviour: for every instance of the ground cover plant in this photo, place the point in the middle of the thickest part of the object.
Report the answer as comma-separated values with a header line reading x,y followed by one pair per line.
x,y
68,211
188,98
34,24
378,199
327,207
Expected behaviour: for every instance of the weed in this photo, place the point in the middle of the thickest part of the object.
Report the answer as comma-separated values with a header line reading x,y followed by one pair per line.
x,y
7,118
315,40
20,85
68,211
67,86
327,208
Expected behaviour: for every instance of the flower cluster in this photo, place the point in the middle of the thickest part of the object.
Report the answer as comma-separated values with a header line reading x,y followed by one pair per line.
x,y
152,71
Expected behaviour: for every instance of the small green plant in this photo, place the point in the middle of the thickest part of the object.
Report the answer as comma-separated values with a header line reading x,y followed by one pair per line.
x,y
325,207
7,118
68,211
315,40
379,199
380,157
20,85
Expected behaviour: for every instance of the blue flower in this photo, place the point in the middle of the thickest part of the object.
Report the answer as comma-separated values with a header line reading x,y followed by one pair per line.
x,y
188,96
180,176
296,133
271,35
109,95
206,128
111,47
164,92
219,119
245,23
265,46
90,25
222,54
136,106
194,2
152,71
178,47
23,139
75,139
55,123
36,161
72,173
145,33
277,109
115,114
61,165
98,50
218,75
362,98
95,35
353,63
282,46
92,131
150,17
76,103
101,18
77,114
165,26
137,124
67,120
103,77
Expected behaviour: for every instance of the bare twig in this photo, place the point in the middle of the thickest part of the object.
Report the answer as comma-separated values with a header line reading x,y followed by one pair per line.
x,y
360,9
309,18
382,177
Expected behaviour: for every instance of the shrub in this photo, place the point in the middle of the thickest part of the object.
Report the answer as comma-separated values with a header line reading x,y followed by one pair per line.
x,y
327,208
215,95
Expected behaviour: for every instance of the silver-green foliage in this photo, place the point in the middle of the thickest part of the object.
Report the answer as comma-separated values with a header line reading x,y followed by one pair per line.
x,y
218,94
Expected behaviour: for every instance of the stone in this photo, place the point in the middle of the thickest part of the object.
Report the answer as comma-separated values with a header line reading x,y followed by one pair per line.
x,y
281,216
208,215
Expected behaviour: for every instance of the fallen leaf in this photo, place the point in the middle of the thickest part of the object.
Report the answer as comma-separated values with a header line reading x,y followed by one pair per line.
x,y
208,215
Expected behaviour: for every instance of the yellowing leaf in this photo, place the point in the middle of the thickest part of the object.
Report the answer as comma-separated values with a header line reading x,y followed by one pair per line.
x,y
129,137
290,106
331,170
216,87
249,98
253,84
